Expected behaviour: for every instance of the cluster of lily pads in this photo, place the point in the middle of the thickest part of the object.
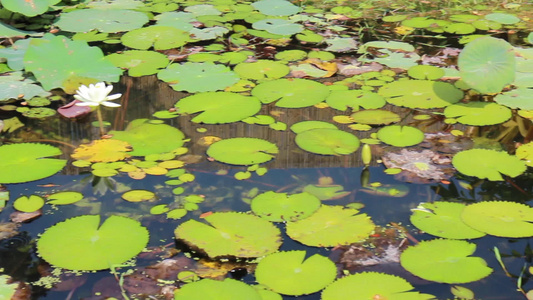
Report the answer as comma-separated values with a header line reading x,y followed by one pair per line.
x,y
232,80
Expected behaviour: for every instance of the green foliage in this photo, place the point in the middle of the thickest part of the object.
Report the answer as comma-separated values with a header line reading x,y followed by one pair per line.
x,y
14,85
400,136
108,20
446,261
294,93
367,285
331,226
291,273
225,235
27,162
375,117
193,77
276,7
519,98
487,64
490,164
7,290
327,141
425,72
56,60
499,218
139,63
101,246
261,69
28,204
159,37
242,151
308,125
355,99
421,93
229,289
278,26
64,198
147,138
478,113
28,8
443,219
280,207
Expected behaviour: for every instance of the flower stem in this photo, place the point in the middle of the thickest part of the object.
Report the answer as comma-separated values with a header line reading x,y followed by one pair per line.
x,y
100,120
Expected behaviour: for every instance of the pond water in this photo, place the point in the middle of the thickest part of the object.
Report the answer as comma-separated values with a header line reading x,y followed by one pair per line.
x,y
321,170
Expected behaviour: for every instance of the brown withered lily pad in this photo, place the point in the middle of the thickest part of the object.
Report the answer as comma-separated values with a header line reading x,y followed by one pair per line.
x,y
419,166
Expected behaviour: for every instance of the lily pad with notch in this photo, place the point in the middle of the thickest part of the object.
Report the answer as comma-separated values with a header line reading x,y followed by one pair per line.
x,y
280,207
213,289
375,117
276,7
242,151
291,273
518,98
219,107
139,62
160,37
400,136
478,113
192,77
231,234
104,20
261,70
101,245
291,93
355,99
490,164
327,141
278,26
446,261
308,125
421,93
64,198
500,218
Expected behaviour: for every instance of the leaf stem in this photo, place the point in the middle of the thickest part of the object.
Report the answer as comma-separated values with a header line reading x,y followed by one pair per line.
x,y
100,120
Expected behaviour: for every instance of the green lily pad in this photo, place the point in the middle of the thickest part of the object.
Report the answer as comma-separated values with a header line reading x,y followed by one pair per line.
x,y
308,125
309,36
226,235
64,198
7,290
36,112
525,152
242,151
331,226
112,20
478,113
327,141
262,69
7,31
340,44
421,93
278,26
400,136
425,72
355,99
203,10
208,33
392,45
56,60
280,207
147,138
483,24
177,19
446,261
395,59
192,77
138,195
27,162
443,219
460,28
490,164
101,245
160,37
219,107
139,63
369,285
28,8
291,55
503,18
291,273
291,93
487,64
329,192
276,7
229,289
12,89
375,117
499,218
28,204
519,98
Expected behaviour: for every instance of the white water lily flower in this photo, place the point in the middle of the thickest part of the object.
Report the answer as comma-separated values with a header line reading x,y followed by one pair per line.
x,y
95,95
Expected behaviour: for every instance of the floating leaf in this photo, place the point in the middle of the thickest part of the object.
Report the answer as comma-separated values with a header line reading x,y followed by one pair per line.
x,y
160,37
443,219
55,60
28,204
291,93
276,7
147,138
219,107
375,117
192,77
503,18
484,163
519,98
290,273
28,8
23,88
525,152
327,141
400,136
64,198
355,99
392,45
331,226
106,150
421,93
104,20
499,218
214,289
280,207
139,63
308,125
425,72
178,19
478,113
227,236
27,162
138,195
242,151
278,26
372,285
262,69
101,246
446,261
487,64
329,192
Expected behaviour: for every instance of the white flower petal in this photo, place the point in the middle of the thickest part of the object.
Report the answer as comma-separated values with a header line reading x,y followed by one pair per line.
x,y
86,104
110,104
113,97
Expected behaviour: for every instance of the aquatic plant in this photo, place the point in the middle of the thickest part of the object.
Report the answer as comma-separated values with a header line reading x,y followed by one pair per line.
x,y
96,95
